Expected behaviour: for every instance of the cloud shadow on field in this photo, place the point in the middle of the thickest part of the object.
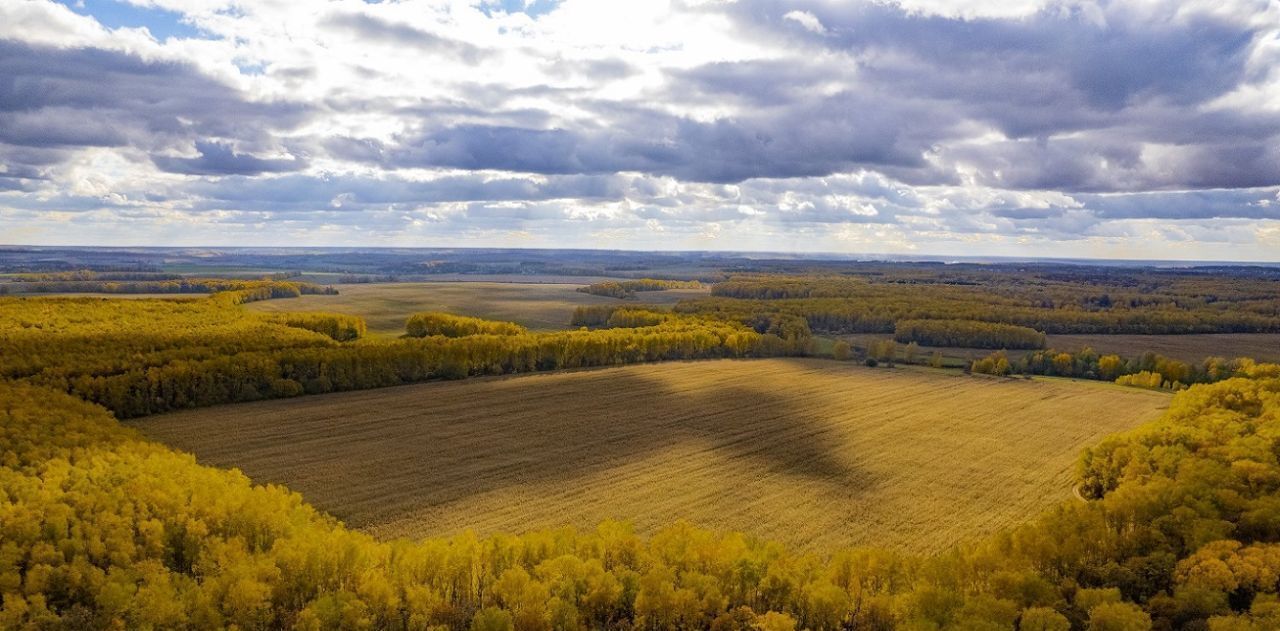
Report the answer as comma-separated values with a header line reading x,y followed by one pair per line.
x,y
378,456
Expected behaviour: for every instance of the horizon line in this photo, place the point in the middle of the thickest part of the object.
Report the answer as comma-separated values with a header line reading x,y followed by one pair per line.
x,y
871,257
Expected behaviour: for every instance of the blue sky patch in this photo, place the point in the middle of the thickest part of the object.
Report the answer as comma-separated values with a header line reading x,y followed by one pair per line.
x,y
113,14
533,8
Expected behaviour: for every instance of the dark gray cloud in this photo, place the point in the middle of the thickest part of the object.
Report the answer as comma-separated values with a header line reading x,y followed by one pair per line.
x,y
376,29
22,168
1232,204
220,158
790,81
1099,162
54,98
353,193
837,133
607,69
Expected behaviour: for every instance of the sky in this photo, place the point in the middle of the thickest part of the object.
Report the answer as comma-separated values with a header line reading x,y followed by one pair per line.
x,y
1145,129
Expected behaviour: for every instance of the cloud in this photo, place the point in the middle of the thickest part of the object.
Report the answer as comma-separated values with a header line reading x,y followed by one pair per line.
x,y
805,19
1080,86
1186,205
838,133
219,158
68,98
352,192
787,124
373,29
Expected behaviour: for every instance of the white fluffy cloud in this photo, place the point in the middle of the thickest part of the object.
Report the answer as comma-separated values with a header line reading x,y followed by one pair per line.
x,y
1142,129
805,19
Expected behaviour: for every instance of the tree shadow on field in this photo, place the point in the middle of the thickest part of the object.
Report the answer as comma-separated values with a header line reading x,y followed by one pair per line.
x,y
382,455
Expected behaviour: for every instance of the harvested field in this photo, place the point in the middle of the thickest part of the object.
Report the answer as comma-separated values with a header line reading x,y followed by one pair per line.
x,y
1188,348
811,452
385,306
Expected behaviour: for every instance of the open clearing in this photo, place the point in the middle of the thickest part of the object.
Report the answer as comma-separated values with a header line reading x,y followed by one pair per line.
x,y
811,452
385,306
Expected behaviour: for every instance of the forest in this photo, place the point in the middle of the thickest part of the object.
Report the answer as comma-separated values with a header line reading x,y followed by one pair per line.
x,y
141,357
435,323
627,289
102,529
340,328
1140,302
967,333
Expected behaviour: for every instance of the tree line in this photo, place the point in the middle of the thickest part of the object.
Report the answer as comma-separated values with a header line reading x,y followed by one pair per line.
x,y
626,289
1091,289
1136,302
141,357
1167,373
338,327
250,376
91,275
846,315
792,331
968,334
430,323
177,285
104,529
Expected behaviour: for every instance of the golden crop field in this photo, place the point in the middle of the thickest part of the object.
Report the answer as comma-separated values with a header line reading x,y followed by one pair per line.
x,y
386,306
811,452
